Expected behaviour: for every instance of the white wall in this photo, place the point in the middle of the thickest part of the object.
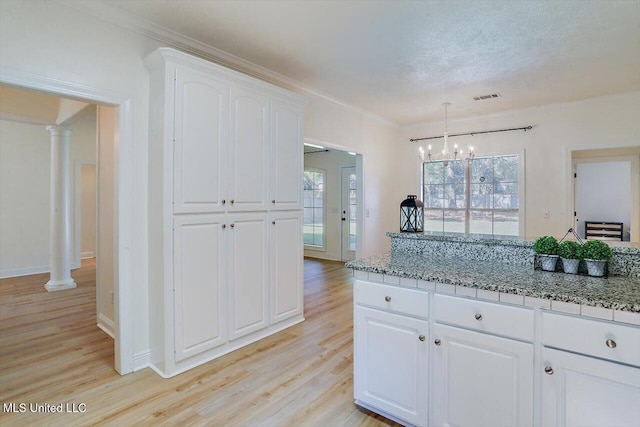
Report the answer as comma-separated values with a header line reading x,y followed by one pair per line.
x,y
24,198
107,240
51,40
331,162
82,150
88,212
349,130
557,130
24,192
54,41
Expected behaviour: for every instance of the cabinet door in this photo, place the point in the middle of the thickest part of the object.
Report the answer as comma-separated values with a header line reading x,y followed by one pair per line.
x,y
200,134
248,274
286,265
286,156
391,364
480,379
199,284
248,150
584,391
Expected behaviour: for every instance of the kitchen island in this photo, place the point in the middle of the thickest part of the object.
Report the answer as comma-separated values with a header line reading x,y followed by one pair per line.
x,y
453,330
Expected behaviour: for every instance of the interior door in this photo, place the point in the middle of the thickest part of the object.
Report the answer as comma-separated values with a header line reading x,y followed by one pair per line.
x,y
348,212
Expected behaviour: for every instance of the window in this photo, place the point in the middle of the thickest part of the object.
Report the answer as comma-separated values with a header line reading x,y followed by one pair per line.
x,y
314,181
478,197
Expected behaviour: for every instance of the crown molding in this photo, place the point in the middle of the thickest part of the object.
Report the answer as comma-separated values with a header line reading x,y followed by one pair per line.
x,y
170,38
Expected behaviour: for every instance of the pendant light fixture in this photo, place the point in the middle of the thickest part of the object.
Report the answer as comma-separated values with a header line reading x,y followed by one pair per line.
x,y
446,156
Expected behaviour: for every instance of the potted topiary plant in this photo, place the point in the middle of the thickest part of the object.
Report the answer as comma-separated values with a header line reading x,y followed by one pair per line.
x,y
569,252
547,249
596,253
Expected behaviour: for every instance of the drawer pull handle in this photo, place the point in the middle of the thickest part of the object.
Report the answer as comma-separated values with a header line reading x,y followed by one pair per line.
x,y
478,317
273,222
611,343
232,225
232,201
224,226
421,338
548,370
224,201
273,201
437,342
387,299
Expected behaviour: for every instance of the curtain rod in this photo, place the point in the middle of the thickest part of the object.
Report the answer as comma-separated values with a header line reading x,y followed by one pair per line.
x,y
526,128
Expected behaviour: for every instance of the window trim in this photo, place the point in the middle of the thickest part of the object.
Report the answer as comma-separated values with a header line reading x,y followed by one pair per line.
x,y
521,193
323,247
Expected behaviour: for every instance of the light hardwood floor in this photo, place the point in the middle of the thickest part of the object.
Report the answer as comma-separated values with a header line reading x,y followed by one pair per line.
x,y
51,352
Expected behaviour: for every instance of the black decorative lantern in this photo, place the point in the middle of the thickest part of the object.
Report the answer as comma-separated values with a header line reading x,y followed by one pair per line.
x,y
411,215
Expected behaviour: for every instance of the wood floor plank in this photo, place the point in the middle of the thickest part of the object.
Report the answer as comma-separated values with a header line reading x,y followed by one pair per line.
x,y
51,352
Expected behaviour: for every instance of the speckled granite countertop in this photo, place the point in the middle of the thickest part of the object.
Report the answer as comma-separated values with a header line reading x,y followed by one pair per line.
x,y
615,292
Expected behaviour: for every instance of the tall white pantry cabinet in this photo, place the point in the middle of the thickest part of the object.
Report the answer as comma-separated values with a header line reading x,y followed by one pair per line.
x,y
225,187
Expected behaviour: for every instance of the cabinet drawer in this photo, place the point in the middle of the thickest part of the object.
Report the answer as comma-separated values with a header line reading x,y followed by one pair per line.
x,y
498,319
392,298
611,341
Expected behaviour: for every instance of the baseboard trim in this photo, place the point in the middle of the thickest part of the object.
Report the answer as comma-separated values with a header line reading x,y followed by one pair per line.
x,y
26,271
106,325
142,360
85,255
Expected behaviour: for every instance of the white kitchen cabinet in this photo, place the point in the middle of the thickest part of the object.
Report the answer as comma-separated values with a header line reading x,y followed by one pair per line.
x,y
391,364
590,378
582,391
248,149
482,363
226,154
286,156
201,133
200,279
491,363
248,273
286,265
480,379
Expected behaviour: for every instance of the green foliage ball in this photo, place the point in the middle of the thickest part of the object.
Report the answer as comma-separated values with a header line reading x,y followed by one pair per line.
x,y
546,245
569,249
595,249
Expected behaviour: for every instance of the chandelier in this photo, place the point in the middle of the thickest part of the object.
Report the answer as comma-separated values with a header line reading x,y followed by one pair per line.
x,y
446,156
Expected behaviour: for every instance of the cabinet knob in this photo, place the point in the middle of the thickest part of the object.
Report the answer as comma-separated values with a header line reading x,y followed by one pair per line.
x,y
387,298
273,201
224,202
273,222
421,338
232,225
232,201
478,317
224,226
611,343
548,370
437,341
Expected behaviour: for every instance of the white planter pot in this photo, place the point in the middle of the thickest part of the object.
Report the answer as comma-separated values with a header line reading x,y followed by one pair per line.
x,y
570,265
548,262
595,267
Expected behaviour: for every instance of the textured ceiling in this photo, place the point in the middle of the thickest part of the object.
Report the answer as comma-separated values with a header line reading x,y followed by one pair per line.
x,y
402,59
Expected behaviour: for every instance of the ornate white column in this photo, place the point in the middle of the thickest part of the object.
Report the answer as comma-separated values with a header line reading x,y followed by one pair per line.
x,y
59,212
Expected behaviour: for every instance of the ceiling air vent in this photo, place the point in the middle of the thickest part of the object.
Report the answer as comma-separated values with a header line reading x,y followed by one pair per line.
x,y
483,97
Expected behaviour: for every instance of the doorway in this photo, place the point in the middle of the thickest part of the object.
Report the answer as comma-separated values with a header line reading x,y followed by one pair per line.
x,y
606,189
122,197
332,202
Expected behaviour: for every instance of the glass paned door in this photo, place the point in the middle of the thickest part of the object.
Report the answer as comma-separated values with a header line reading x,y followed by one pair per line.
x,y
348,213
